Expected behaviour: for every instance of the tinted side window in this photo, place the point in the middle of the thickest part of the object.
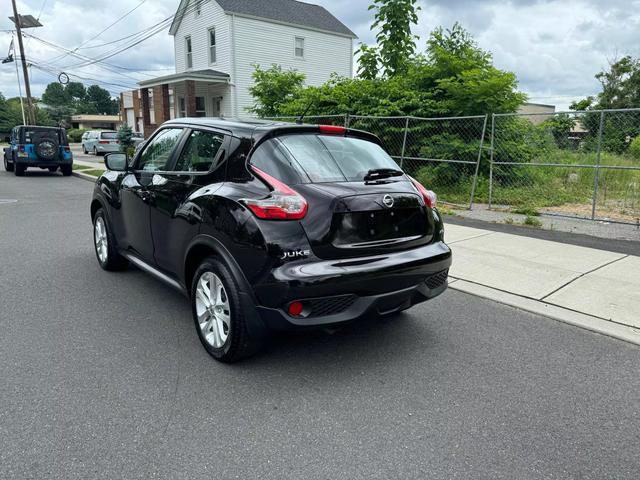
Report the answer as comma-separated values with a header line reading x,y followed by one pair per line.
x,y
200,152
274,160
157,153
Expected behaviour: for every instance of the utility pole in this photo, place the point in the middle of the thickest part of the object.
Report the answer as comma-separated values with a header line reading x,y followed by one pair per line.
x,y
25,71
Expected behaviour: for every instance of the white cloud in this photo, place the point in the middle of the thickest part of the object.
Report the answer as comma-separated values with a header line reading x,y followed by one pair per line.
x,y
555,47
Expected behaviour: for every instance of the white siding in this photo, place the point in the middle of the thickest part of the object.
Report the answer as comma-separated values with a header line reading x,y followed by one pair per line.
x,y
198,28
265,43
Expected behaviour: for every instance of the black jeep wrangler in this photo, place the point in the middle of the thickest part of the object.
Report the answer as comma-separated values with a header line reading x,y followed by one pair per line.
x,y
41,147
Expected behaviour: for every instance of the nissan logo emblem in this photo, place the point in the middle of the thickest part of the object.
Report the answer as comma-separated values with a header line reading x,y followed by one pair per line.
x,y
388,201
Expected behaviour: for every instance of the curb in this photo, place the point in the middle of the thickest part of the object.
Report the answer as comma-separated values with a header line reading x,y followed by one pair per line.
x,y
555,312
84,176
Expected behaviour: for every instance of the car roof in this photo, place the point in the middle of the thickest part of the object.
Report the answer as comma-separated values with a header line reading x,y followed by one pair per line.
x,y
237,126
255,128
40,127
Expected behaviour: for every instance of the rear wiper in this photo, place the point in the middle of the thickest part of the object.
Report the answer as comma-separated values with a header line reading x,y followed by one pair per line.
x,y
380,173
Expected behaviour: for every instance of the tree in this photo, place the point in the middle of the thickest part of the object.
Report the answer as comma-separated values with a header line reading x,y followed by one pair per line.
x,y
273,88
620,87
76,91
11,114
397,44
454,77
125,136
368,60
55,95
101,100
560,127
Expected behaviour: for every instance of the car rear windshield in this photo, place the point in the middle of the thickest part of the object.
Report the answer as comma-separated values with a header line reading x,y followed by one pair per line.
x,y
311,158
109,135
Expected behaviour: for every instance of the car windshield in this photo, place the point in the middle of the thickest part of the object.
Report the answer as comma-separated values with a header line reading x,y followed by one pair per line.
x,y
310,158
109,135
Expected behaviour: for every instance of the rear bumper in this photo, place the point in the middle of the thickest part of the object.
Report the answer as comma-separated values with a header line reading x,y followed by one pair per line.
x,y
359,287
41,162
107,148
362,307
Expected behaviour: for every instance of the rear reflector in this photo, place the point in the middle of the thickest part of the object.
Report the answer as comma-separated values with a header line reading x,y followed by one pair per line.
x,y
430,198
295,309
283,203
332,129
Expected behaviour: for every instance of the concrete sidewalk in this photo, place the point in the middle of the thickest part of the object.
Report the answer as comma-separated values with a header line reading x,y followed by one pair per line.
x,y
594,289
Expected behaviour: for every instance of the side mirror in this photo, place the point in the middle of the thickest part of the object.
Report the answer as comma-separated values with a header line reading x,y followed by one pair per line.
x,y
116,162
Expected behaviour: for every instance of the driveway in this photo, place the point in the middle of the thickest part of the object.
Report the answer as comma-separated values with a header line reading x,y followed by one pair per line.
x,y
103,376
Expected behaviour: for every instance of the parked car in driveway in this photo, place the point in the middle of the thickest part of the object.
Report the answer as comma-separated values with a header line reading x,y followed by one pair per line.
x,y
137,138
39,147
269,226
100,142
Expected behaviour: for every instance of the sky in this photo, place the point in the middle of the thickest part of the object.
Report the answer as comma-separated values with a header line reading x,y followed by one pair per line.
x,y
555,47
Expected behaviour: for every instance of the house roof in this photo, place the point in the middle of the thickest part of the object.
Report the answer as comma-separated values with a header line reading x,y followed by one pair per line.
x,y
290,12
207,75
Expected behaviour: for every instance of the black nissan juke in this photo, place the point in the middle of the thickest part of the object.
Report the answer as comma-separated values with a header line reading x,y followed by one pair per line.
x,y
268,226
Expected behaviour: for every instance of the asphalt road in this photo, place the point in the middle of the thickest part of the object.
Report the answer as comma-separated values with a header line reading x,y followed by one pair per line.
x,y
103,376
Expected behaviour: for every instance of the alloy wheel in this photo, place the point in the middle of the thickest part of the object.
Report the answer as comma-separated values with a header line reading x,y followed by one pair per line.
x,y
101,241
213,310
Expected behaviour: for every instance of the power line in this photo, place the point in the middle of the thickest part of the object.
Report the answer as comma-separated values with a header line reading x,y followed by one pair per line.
x,y
105,29
160,27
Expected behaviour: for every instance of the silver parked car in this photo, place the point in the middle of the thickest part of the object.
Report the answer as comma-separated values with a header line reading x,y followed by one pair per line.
x,y
100,142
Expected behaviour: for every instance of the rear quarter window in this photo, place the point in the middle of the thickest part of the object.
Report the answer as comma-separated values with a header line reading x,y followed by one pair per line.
x,y
109,135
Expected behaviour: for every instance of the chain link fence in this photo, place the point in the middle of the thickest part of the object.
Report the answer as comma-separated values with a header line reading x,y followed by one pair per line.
x,y
574,164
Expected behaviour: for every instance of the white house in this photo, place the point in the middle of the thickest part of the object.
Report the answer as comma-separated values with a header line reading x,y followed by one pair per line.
x,y
218,42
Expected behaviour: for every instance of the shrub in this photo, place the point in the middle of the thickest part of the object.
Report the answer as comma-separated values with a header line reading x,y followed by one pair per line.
x,y
75,134
532,222
634,148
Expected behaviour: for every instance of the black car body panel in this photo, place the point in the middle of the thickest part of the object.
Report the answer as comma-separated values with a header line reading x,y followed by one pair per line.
x,y
351,254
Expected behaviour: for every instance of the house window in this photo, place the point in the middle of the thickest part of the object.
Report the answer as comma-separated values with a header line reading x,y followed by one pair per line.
x,y
182,106
189,51
201,109
212,45
198,8
299,49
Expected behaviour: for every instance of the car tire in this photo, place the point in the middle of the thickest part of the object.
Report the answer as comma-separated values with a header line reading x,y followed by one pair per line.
x,y
105,245
8,166
19,169
84,150
66,170
95,151
219,317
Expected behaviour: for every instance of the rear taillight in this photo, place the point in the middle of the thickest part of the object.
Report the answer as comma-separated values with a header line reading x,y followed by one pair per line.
x,y
21,148
104,142
67,149
430,198
283,203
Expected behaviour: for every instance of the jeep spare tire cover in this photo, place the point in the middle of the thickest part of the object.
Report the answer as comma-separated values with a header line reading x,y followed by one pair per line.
x,y
47,149
45,142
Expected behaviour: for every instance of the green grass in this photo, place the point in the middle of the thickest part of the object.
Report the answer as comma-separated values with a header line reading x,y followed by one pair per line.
x,y
80,167
531,188
531,212
93,173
